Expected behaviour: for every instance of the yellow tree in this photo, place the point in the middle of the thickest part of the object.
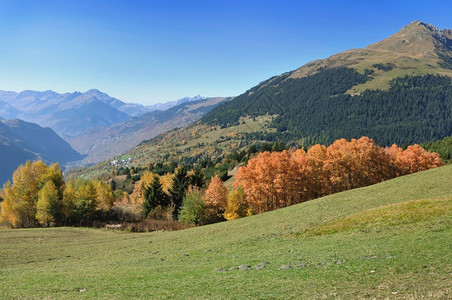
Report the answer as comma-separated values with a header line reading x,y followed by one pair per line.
x,y
104,195
19,206
237,206
49,205
68,205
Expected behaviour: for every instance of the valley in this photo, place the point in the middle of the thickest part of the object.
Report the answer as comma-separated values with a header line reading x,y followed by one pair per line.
x,y
328,181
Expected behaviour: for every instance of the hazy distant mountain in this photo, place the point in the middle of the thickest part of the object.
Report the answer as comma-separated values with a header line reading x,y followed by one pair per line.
x,y
106,142
71,114
21,141
67,114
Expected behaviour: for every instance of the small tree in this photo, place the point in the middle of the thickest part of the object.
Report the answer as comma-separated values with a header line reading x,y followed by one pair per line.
x,y
193,210
215,197
153,196
178,189
237,206
49,205
104,196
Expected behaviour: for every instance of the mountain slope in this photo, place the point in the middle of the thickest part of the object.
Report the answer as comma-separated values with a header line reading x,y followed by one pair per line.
x,y
106,142
403,260
355,93
21,141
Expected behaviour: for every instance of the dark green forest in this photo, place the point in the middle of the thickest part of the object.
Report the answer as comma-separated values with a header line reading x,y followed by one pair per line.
x,y
443,147
415,109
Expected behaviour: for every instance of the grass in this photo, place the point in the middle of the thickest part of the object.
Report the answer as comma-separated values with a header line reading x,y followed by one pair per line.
x,y
404,213
406,260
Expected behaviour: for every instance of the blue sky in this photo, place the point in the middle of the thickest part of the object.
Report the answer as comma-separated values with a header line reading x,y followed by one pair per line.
x,y
156,51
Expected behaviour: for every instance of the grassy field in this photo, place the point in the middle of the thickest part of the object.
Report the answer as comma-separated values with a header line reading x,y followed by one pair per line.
x,y
384,250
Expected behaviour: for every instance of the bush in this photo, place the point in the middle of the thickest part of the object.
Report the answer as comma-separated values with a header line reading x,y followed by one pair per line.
x,y
193,210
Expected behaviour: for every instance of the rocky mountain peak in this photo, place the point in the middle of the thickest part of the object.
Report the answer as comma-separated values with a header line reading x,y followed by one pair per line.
x,y
417,38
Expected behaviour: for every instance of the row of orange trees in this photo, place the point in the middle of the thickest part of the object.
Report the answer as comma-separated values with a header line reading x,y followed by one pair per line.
x,y
278,179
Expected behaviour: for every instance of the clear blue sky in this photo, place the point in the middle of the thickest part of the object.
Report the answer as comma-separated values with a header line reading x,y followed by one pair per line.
x,y
156,51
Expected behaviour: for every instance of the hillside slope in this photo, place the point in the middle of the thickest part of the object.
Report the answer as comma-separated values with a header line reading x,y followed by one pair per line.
x,y
21,141
406,260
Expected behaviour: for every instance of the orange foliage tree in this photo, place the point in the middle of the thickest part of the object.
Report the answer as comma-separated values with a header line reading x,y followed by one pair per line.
x,y
278,179
270,181
215,197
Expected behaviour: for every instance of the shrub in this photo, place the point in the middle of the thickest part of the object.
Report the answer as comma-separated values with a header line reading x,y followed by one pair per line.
x,y
193,210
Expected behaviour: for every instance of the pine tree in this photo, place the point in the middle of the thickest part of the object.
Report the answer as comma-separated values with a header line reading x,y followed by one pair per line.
x,y
197,178
179,188
153,196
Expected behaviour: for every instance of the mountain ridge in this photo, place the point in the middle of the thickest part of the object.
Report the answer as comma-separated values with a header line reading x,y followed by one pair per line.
x,y
418,48
21,141
70,114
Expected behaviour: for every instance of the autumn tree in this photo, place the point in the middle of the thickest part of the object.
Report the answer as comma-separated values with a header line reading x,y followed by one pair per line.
x,y
237,206
104,196
49,205
215,197
167,182
356,163
19,207
416,159
68,203
278,179
270,181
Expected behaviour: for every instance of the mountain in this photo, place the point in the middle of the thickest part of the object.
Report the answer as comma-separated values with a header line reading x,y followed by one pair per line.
x,y
105,142
391,91
67,114
398,90
21,141
418,48
71,114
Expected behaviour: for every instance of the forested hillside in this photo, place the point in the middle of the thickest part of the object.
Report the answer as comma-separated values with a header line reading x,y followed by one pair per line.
x,y
316,108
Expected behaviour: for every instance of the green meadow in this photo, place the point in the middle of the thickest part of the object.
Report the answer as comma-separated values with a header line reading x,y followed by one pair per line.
x,y
392,240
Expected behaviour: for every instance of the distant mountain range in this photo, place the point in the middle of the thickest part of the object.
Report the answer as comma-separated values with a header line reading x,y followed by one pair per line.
x,y
21,141
70,114
105,142
97,124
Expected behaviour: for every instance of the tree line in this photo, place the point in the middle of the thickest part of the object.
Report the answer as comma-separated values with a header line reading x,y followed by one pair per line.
x,y
267,180
39,196
272,180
